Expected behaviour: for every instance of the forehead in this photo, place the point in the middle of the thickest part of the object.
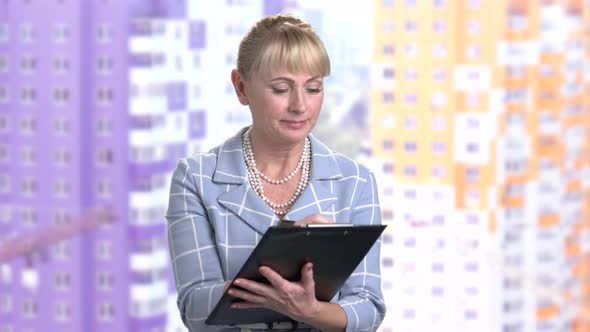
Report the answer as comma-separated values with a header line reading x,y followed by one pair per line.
x,y
286,75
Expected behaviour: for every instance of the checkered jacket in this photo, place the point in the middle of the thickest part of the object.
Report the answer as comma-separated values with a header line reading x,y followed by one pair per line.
x,y
215,220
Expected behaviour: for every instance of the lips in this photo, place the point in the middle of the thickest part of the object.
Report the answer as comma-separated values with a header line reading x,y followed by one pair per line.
x,y
295,124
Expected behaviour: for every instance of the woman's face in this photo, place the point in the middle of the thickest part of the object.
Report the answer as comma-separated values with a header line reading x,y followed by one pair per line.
x,y
285,106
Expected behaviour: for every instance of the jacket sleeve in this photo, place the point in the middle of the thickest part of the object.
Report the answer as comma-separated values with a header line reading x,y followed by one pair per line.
x,y
197,269
361,296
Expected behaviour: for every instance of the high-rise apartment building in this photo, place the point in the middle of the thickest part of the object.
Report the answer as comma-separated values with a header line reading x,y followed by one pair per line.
x,y
98,100
478,116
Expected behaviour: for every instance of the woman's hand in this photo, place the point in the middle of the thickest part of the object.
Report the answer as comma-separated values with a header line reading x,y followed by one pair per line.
x,y
315,218
294,299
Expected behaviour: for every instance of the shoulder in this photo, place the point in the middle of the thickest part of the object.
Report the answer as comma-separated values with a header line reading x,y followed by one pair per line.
x,y
337,164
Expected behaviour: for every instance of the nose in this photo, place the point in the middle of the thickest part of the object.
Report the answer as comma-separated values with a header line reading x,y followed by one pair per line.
x,y
297,102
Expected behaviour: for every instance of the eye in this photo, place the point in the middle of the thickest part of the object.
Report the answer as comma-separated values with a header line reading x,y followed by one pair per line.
x,y
314,90
279,91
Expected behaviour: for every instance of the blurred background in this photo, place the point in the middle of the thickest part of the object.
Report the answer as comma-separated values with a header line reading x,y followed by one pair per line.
x,y
473,114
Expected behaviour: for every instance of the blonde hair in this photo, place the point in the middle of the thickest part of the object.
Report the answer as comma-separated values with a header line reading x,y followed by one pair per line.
x,y
282,42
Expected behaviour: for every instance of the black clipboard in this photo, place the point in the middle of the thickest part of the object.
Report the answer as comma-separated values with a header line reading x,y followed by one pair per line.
x,y
334,250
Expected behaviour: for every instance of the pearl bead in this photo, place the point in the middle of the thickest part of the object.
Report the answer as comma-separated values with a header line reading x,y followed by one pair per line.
x,y
254,175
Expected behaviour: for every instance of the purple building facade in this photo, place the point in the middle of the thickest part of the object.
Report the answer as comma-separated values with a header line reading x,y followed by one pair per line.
x,y
64,149
96,108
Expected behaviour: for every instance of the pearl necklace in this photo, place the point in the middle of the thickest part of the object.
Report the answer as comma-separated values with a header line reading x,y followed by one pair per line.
x,y
255,175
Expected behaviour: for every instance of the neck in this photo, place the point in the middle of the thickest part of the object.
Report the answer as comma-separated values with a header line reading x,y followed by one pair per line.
x,y
275,159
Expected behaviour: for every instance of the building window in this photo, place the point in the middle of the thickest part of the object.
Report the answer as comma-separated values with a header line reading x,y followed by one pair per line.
x,y
104,96
439,3
61,251
4,154
410,122
61,188
438,171
5,183
28,95
411,26
5,303
28,216
104,127
104,188
388,97
388,120
62,280
27,33
388,26
439,147
61,96
439,50
3,124
388,167
104,157
410,146
411,98
3,94
61,156
29,308
410,170
61,217
29,186
3,63
61,126
105,280
411,50
439,75
104,64
61,65
28,64
411,74
439,26
28,125
388,144
473,51
61,33
196,91
106,312
388,73
5,213
439,123
4,33
387,3
473,27
62,311
388,49
196,61
104,33
104,250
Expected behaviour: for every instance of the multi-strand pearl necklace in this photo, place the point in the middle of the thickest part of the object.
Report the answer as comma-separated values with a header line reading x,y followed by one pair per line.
x,y
255,176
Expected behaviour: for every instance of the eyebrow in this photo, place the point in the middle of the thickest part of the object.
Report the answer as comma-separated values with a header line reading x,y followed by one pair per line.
x,y
282,78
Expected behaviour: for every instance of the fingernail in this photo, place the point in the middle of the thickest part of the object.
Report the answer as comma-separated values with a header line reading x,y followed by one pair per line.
x,y
237,282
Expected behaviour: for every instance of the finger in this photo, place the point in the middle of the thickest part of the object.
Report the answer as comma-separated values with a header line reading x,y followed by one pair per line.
x,y
253,286
275,279
307,277
315,218
246,296
246,305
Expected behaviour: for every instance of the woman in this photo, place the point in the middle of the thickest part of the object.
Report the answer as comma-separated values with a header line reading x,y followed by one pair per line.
x,y
222,202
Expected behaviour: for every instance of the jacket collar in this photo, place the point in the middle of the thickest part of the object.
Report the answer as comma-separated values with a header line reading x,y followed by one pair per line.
x,y
243,201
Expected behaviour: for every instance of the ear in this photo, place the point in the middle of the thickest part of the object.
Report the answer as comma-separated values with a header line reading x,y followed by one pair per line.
x,y
239,86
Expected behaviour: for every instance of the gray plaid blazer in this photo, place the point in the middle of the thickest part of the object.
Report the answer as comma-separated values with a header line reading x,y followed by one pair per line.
x,y
215,220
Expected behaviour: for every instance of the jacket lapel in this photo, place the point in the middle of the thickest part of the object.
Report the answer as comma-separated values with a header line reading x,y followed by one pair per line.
x,y
241,199
318,197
